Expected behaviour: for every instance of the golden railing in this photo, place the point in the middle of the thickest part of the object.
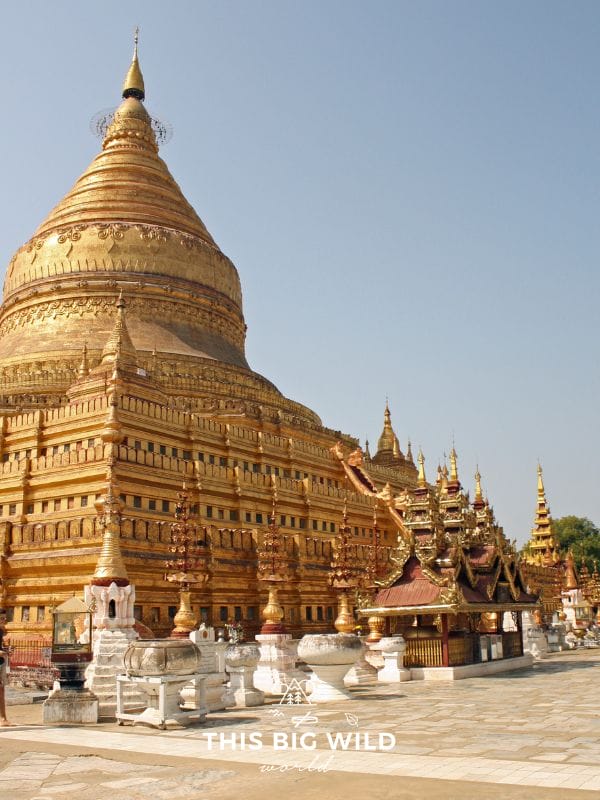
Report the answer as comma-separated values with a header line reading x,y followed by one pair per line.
x,y
427,652
423,653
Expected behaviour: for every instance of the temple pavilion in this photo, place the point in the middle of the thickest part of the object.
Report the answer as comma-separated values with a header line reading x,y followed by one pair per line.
x,y
456,592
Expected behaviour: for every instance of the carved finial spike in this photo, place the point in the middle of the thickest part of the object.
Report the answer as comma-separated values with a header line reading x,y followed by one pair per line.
x,y
421,480
453,465
84,366
134,80
478,493
541,490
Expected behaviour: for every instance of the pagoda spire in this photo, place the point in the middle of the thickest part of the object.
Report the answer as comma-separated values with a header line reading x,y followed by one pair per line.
x,y
386,440
541,538
133,86
388,447
570,574
110,567
453,466
84,367
444,474
112,431
478,494
543,512
478,502
540,485
421,479
119,349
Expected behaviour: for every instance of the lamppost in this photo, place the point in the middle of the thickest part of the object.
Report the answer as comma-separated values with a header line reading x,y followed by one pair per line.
x,y
374,571
343,575
272,569
186,567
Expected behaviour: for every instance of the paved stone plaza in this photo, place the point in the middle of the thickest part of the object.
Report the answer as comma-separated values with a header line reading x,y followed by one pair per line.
x,y
528,734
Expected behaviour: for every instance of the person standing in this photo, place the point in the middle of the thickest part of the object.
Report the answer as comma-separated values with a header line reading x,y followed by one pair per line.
x,y
4,723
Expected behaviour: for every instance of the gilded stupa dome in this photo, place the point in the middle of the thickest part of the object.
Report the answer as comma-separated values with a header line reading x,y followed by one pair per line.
x,y
125,227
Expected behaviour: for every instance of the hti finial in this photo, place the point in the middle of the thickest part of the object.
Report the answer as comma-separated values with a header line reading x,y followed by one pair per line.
x,y
421,479
134,81
478,492
453,463
540,475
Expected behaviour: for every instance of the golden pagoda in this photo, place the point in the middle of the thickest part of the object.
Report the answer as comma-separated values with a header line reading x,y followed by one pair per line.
x,y
122,351
541,545
543,563
389,453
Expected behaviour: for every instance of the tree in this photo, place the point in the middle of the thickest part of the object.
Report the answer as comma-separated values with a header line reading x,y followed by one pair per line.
x,y
580,535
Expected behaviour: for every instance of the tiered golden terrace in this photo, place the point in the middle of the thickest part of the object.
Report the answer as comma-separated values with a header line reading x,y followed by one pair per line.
x,y
102,396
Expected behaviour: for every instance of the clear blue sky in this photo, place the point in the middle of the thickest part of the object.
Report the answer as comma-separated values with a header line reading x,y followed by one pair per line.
x,y
410,192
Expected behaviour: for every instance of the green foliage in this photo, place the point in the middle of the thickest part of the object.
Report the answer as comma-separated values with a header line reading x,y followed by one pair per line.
x,y
580,535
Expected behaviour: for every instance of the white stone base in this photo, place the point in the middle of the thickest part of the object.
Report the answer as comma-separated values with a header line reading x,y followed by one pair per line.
x,y
162,700
212,667
361,674
392,649
276,669
79,707
327,683
101,675
392,673
241,691
215,685
193,696
470,670
374,657
536,643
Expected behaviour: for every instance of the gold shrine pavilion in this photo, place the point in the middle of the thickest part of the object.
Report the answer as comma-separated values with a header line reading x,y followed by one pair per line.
x,y
123,375
543,563
454,578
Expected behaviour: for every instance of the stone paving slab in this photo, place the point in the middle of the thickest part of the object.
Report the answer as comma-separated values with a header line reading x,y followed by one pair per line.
x,y
533,731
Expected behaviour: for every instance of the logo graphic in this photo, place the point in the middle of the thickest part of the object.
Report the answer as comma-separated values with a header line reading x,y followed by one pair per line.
x,y
305,720
294,694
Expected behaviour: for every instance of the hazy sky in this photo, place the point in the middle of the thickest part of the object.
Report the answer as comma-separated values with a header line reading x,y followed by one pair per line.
x,y
410,192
